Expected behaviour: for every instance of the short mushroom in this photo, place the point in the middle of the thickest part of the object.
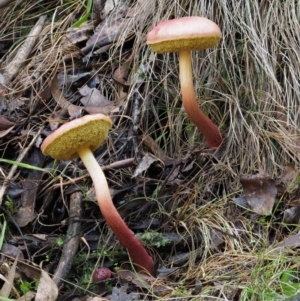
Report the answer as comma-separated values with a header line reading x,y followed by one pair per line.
x,y
99,277
78,138
183,35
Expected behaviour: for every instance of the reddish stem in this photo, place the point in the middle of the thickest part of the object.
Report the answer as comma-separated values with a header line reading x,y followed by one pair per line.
x,y
203,123
136,251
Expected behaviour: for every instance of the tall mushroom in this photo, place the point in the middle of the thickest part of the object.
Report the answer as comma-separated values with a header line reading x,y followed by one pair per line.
x,y
78,138
183,35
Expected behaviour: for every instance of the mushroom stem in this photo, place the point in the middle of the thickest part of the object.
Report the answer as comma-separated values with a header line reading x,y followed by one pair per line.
x,y
202,122
136,251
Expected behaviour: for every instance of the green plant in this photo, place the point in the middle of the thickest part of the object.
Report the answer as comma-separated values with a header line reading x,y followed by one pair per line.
x,y
153,238
86,15
290,282
27,286
58,243
10,205
3,229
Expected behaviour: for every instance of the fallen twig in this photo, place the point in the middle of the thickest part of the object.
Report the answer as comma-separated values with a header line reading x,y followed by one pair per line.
x,y
114,166
23,53
73,237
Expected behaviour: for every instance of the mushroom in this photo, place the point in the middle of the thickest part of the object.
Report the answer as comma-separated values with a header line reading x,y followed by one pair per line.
x,y
183,35
99,277
78,138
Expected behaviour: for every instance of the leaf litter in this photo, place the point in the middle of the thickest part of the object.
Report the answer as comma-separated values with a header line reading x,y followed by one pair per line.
x,y
163,180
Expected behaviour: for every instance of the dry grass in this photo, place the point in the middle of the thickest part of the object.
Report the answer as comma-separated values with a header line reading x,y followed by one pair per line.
x,y
248,85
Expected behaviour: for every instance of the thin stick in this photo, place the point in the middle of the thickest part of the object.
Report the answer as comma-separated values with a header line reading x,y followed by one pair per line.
x,y
72,240
24,51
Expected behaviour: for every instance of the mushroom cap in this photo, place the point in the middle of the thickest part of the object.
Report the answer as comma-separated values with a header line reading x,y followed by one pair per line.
x,y
187,33
87,131
101,274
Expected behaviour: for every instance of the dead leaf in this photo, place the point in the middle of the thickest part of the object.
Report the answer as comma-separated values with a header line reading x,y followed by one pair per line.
x,y
259,192
8,284
121,294
57,117
12,251
27,296
281,117
5,132
291,215
73,110
290,179
120,75
47,290
92,97
144,281
76,35
109,6
157,151
25,213
68,79
5,124
109,28
216,239
62,102
145,163
140,280
29,269
291,242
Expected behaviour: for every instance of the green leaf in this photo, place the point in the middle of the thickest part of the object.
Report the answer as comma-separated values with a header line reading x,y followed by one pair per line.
x,y
85,16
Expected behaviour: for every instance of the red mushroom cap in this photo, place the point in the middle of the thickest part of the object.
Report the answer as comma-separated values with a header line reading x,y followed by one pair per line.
x,y
187,33
101,274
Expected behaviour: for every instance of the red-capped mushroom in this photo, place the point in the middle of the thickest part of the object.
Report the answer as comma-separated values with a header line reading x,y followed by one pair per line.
x,y
78,138
183,35
99,277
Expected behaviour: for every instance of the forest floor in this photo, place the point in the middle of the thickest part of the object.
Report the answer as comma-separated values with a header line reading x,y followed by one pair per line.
x,y
220,223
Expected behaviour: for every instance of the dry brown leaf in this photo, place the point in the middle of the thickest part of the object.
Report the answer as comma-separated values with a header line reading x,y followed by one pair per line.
x,y
73,110
291,242
26,213
5,132
290,179
216,239
76,35
107,29
123,293
12,251
144,281
47,290
93,98
154,147
120,75
291,215
62,102
5,124
29,269
281,117
27,296
140,280
57,118
8,284
144,164
259,192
